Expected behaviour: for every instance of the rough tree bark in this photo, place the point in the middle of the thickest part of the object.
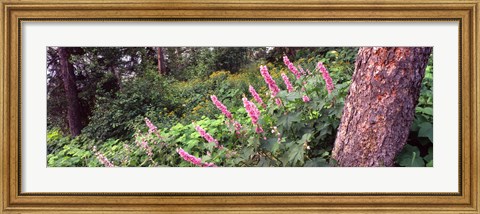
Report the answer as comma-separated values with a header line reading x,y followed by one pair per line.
x,y
162,69
74,113
380,107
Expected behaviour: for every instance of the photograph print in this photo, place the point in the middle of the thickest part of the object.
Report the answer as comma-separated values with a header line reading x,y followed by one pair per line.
x,y
239,106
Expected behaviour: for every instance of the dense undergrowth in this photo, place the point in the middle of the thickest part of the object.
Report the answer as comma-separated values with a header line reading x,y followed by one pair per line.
x,y
163,121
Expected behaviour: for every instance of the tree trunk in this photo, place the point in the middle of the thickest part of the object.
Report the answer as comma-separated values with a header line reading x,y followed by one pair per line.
x,y
380,107
162,69
73,103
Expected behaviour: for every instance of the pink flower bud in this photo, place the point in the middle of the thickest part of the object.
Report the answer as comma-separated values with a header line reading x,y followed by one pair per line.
x,y
220,106
256,96
189,158
287,83
100,157
151,127
326,77
207,136
306,98
291,67
269,80
251,110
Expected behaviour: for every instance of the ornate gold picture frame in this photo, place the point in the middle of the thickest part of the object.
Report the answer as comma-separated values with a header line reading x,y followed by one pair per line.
x,y
14,13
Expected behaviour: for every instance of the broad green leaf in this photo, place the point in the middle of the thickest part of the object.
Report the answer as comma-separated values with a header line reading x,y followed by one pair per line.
x,y
206,158
293,96
429,157
282,94
181,139
410,157
284,159
264,162
306,137
194,135
270,145
316,162
427,110
430,164
287,120
209,146
426,130
295,154
192,143
246,153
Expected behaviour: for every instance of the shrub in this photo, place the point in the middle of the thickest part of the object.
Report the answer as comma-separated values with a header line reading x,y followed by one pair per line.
x,y
293,126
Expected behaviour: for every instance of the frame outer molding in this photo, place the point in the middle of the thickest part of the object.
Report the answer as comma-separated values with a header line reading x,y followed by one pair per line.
x,y
12,11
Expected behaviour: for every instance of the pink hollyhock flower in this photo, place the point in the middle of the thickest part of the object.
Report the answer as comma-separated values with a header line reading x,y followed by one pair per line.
x,y
278,101
287,82
100,157
144,145
222,107
308,72
306,99
258,129
256,96
326,77
291,67
253,112
207,136
209,165
151,127
188,157
301,70
237,126
269,80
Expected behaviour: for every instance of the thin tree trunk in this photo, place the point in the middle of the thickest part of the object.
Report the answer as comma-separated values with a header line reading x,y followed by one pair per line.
x,y
380,107
162,70
73,103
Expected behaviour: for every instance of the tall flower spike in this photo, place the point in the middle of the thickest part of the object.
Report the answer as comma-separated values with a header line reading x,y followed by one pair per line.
x,y
222,107
278,101
207,136
301,70
269,80
253,113
192,159
188,157
291,67
104,160
306,99
256,96
326,77
144,145
252,110
287,83
208,165
151,127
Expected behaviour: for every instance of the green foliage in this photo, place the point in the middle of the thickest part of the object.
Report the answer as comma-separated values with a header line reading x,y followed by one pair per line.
x,y
296,133
185,63
421,136
64,151
116,115
410,156
231,59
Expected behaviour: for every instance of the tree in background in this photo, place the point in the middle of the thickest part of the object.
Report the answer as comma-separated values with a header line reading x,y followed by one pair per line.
x,y
230,58
95,72
74,114
162,69
380,107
